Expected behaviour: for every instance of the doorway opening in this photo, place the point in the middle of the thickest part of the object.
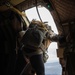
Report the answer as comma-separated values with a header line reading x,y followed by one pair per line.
x,y
52,66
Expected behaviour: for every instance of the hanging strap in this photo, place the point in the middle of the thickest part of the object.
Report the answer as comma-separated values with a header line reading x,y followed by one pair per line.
x,y
38,10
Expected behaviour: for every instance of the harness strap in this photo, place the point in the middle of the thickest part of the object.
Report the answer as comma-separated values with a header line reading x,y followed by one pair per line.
x,y
33,53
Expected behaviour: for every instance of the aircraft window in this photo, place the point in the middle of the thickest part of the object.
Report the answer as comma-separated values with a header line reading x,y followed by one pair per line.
x,y
53,61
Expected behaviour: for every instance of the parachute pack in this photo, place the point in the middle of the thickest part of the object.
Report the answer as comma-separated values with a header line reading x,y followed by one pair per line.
x,y
34,35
